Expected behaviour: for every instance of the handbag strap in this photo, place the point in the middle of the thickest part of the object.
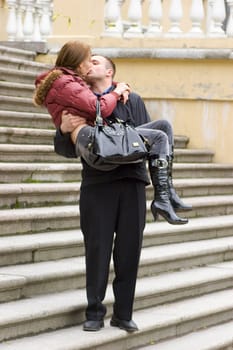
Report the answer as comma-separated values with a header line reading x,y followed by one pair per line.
x,y
99,119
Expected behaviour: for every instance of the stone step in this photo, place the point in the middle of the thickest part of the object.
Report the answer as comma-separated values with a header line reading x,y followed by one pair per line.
x,y
199,187
59,310
21,64
15,75
180,141
21,104
40,172
40,153
55,245
203,187
197,170
206,206
38,136
71,171
30,153
25,120
16,89
218,337
30,279
17,221
193,156
10,52
24,195
10,133
39,194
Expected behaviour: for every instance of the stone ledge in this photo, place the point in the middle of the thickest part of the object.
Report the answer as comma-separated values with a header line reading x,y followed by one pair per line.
x,y
33,46
165,53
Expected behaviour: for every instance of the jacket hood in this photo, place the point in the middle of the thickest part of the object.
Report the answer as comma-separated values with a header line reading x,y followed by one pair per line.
x,y
44,82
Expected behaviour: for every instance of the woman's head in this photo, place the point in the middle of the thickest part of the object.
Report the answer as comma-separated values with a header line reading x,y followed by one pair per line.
x,y
75,55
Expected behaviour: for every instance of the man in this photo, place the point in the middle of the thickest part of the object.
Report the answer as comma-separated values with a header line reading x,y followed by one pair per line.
x,y
112,212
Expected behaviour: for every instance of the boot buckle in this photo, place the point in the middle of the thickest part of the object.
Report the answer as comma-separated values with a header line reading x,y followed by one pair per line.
x,y
160,163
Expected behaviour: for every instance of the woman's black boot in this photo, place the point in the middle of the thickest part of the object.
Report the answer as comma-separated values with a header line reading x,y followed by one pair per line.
x,y
161,204
176,202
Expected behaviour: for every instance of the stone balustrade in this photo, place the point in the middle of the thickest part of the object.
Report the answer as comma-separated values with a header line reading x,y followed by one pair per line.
x,y
30,20
209,18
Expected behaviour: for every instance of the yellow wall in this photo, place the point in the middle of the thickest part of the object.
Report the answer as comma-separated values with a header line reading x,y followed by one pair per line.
x,y
196,96
77,18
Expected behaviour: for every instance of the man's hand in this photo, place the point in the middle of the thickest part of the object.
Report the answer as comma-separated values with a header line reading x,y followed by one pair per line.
x,y
70,122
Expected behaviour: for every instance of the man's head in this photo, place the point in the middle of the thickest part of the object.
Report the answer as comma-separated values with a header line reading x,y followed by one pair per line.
x,y
103,69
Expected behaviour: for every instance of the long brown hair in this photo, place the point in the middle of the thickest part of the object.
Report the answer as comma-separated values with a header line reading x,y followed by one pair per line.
x,y
72,54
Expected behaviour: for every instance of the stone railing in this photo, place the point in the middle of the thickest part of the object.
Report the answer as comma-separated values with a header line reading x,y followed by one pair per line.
x,y
31,20
208,18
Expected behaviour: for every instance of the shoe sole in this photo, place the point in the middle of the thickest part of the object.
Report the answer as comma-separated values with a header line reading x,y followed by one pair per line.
x,y
129,330
92,329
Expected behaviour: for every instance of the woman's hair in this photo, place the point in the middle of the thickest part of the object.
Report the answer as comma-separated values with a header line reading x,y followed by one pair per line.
x,y
72,54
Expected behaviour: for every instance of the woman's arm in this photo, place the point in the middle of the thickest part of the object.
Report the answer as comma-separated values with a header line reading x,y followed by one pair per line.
x,y
81,99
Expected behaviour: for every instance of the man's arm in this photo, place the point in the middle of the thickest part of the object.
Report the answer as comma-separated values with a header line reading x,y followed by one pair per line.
x,y
63,145
62,141
138,109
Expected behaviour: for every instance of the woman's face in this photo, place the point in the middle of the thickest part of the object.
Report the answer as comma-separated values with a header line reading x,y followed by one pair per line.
x,y
85,66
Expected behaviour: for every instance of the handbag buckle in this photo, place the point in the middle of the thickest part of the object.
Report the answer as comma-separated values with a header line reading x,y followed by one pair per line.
x,y
160,163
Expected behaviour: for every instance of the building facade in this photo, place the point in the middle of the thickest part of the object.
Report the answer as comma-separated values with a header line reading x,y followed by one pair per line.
x,y
177,54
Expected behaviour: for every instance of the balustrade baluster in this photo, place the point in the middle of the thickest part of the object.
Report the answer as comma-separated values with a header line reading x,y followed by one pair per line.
x,y
229,28
112,18
155,16
11,27
196,16
175,16
134,16
19,15
45,20
28,24
37,17
218,17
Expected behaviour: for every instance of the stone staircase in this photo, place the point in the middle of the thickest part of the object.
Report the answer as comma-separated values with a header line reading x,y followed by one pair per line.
x,y
184,297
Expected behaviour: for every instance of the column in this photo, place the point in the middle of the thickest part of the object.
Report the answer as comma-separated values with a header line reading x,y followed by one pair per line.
x,y
196,16
45,19
11,27
175,16
155,17
112,18
134,16
218,17
28,23
229,29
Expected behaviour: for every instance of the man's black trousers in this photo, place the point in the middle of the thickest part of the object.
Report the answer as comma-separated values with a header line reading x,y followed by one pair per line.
x,y
112,221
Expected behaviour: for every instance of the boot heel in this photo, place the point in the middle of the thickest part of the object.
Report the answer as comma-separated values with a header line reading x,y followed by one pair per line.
x,y
154,211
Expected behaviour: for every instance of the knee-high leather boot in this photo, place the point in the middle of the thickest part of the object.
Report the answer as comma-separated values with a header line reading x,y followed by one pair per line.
x,y
161,204
176,202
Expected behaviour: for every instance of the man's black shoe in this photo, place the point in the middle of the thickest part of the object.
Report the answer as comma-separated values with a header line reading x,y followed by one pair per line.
x,y
128,326
93,325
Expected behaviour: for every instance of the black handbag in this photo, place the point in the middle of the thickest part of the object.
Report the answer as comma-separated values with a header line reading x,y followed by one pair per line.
x,y
117,142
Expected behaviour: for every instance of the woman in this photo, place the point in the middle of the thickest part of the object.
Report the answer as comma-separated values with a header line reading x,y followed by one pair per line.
x,y
63,88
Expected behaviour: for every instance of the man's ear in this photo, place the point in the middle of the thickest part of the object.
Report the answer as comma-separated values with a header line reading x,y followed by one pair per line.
x,y
109,72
